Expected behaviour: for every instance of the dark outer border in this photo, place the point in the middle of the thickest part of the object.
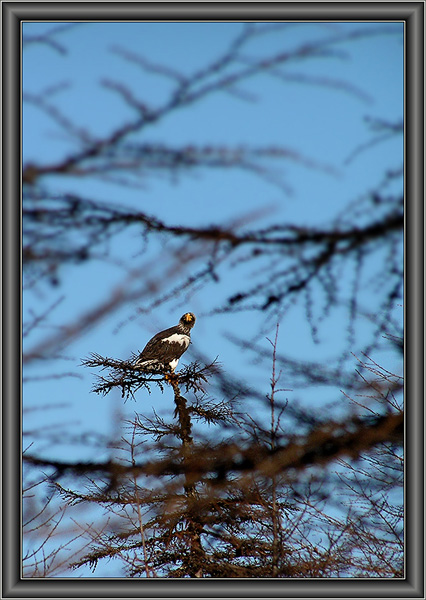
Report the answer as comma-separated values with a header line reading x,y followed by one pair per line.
x,y
12,15
220,11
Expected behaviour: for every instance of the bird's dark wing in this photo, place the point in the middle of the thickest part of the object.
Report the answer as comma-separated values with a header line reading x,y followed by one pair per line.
x,y
153,345
156,349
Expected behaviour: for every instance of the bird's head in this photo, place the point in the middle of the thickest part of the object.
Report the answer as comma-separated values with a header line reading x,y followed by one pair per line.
x,y
188,319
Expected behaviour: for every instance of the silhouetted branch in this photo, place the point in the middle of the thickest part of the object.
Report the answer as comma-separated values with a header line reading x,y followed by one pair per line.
x,y
125,375
319,447
49,38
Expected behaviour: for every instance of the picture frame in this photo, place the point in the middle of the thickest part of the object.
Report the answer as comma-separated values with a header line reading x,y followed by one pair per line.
x,y
412,14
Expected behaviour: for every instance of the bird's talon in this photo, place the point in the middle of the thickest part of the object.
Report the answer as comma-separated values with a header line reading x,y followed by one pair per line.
x,y
171,377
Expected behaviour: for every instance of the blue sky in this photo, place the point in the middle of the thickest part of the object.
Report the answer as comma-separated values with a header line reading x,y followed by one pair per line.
x,y
324,123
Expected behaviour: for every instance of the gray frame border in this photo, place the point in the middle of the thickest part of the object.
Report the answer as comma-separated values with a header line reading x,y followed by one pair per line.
x,y
413,15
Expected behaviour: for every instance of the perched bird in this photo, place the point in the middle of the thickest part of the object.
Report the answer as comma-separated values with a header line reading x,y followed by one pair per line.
x,y
165,348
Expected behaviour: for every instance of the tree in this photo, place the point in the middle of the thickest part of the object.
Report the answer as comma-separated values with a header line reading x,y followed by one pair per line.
x,y
233,508
220,489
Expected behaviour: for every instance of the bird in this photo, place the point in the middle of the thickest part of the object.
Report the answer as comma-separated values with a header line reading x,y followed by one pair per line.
x,y
164,350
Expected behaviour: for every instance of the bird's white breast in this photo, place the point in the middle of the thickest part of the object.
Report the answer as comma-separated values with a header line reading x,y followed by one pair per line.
x,y
177,338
